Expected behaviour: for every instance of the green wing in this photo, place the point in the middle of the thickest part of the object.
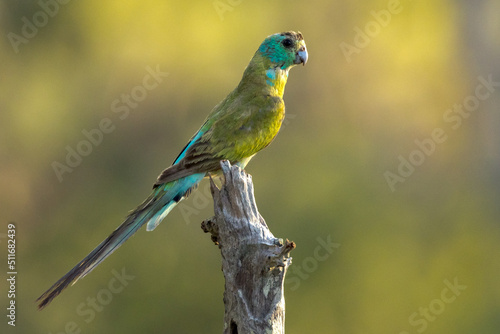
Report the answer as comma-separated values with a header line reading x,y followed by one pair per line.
x,y
236,129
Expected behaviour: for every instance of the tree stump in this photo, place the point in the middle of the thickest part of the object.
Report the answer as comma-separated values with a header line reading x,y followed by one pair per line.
x,y
254,262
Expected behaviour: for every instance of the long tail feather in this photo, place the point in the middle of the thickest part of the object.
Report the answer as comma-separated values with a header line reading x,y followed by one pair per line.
x,y
157,205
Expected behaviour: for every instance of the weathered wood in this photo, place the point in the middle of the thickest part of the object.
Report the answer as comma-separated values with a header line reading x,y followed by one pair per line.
x,y
254,262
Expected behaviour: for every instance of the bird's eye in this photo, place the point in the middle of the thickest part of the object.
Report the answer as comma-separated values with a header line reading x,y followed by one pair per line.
x,y
287,43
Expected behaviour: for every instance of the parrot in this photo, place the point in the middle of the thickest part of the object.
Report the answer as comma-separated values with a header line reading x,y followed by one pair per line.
x,y
242,124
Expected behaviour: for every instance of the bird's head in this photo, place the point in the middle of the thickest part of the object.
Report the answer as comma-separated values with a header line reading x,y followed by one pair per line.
x,y
270,64
285,49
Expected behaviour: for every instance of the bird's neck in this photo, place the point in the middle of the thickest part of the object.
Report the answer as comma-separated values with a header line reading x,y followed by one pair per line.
x,y
261,74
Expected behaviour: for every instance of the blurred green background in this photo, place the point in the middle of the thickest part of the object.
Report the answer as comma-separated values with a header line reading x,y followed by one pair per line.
x,y
381,75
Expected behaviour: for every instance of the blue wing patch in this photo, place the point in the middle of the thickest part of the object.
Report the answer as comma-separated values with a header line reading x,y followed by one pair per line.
x,y
191,142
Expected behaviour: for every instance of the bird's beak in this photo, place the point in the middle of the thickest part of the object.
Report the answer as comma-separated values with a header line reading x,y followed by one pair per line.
x,y
301,56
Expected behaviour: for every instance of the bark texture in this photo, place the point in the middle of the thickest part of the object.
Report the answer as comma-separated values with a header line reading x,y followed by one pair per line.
x,y
254,262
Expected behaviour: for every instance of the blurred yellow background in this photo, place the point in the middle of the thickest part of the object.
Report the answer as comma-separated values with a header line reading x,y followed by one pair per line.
x,y
386,172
